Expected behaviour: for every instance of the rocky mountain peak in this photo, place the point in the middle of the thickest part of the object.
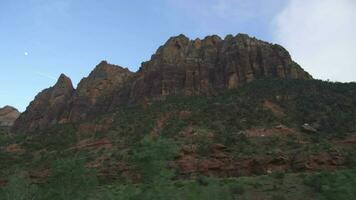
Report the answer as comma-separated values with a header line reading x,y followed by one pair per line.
x,y
104,69
212,64
104,78
63,86
180,66
7,109
8,115
47,108
64,80
94,93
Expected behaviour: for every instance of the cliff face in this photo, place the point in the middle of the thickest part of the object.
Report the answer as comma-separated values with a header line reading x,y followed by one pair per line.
x,y
48,107
63,104
94,93
8,115
181,66
209,65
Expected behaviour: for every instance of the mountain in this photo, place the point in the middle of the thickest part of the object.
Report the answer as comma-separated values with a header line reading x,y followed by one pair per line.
x,y
180,66
48,108
8,115
232,118
245,143
210,65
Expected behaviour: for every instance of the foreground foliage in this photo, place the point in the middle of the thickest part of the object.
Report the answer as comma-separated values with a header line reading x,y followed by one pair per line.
x,y
148,139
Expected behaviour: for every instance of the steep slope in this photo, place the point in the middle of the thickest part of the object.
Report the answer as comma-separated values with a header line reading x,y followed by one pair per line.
x,y
244,143
8,115
48,108
63,104
180,66
212,64
94,93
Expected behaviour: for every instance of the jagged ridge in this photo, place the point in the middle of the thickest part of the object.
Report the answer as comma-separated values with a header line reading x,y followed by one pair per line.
x,y
180,66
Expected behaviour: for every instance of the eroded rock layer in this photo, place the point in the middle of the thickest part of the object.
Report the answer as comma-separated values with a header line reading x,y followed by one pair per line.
x,y
212,64
180,66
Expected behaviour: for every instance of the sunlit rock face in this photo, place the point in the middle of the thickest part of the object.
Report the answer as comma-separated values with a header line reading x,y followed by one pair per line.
x,y
8,115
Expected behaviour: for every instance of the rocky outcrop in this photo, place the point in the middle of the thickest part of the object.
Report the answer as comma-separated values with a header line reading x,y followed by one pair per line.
x,y
94,93
181,66
63,104
8,115
48,108
220,162
212,64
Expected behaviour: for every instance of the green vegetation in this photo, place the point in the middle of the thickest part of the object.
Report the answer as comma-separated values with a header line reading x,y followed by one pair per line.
x,y
69,179
18,188
337,185
146,140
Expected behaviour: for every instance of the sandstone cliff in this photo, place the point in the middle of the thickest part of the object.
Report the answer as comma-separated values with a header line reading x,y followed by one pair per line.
x,y
48,107
212,64
180,66
94,93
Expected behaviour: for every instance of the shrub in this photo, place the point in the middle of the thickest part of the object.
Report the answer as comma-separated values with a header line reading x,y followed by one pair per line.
x,y
18,188
334,186
151,157
70,179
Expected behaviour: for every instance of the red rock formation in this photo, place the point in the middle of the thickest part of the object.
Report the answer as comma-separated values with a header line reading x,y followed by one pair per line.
x,y
94,93
209,65
181,66
8,115
48,108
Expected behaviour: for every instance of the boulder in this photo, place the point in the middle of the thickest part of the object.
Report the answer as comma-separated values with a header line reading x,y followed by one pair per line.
x,y
308,128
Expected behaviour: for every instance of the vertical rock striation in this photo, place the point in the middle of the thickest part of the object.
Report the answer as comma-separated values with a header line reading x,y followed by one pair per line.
x,y
212,64
180,66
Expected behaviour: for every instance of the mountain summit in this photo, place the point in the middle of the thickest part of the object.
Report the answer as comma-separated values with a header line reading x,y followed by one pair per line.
x,y
8,115
180,67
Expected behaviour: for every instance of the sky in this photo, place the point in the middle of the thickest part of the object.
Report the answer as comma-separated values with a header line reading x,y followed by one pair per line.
x,y
40,39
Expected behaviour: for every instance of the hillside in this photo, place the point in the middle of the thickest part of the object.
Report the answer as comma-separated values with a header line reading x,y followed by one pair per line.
x,y
232,118
168,149
181,66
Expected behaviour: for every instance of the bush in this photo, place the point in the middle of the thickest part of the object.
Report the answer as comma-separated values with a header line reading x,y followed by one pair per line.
x,y
334,186
151,157
70,179
18,188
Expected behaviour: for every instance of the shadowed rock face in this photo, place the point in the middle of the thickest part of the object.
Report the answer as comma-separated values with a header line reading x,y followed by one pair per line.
x,y
209,65
8,115
94,93
181,66
62,104
48,108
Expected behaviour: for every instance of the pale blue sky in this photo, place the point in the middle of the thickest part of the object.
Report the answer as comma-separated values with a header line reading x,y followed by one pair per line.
x,y
39,39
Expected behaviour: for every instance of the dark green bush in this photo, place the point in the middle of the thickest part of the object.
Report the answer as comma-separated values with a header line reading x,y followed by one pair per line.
x,y
334,185
19,188
70,179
